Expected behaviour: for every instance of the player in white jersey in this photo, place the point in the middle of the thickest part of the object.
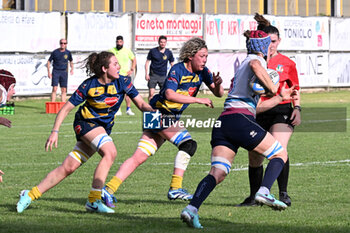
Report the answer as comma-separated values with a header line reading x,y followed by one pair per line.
x,y
239,129
241,95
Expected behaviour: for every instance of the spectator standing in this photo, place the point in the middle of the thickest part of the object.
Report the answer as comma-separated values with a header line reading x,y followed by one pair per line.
x,y
60,58
157,71
124,56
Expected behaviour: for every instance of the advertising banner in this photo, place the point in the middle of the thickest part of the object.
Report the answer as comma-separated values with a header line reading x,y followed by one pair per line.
x,y
29,31
31,73
312,68
223,32
97,31
339,67
302,33
178,28
340,34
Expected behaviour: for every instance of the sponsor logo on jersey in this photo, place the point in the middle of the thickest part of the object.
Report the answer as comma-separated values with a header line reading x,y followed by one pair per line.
x,y
129,86
171,79
111,90
253,133
111,101
192,90
96,91
279,68
77,129
91,124
188,79
79,93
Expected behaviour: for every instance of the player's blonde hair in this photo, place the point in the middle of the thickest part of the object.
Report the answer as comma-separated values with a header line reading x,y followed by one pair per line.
x,y
191,47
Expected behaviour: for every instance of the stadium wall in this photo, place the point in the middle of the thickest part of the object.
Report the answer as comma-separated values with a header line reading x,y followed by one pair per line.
x,y
319,45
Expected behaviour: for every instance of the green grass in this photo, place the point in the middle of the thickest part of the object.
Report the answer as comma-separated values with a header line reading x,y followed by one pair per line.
x,y
319,180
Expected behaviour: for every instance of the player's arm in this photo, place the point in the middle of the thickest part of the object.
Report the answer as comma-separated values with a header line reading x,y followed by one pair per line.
x,y
1,173
263,77
172,96
133,65
146,70
62,114
285,94
141,104
48,69
71,63
296,114
216,88
5,122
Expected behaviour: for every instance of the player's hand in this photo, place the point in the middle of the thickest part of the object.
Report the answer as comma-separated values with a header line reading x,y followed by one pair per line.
x,y
147,77
206,101
130,72
49,75
296,94
295,117
217,79
287,93
52,140
5,122
1,173
71,72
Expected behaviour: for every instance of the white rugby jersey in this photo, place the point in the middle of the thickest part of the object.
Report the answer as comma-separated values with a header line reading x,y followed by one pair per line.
x,y
241,96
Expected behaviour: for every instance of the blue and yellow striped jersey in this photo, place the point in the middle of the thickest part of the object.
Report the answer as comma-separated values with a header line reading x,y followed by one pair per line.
x,y
182,82
101,101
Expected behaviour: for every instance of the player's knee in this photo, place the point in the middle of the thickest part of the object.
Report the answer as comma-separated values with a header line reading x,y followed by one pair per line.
x,y
138,159
110,154
189,146
68,168
255,159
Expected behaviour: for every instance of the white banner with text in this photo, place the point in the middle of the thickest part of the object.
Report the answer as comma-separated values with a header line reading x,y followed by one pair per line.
x,y
29,31
340,35
97,31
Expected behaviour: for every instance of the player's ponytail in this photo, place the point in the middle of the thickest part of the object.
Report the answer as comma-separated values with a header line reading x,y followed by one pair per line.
x,y
95,61
265,25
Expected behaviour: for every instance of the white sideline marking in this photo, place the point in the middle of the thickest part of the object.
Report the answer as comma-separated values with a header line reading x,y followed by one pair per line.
x,y
238,167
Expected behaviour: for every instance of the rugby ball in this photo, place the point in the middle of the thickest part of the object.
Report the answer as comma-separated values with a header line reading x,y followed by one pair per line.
x,y
259,89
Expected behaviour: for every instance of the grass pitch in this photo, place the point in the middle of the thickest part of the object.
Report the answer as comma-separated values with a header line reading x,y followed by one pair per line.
x,y
319,179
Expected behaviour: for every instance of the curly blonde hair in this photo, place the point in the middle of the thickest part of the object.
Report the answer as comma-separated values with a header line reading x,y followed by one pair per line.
x,y
191,47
